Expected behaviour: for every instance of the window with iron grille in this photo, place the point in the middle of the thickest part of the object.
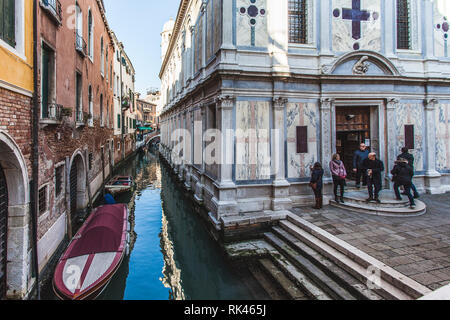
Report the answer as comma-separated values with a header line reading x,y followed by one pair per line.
x,y
59,177
403,25
298,21
43,200
91,160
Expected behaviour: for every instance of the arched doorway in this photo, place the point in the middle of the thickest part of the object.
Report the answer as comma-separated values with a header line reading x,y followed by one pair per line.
x,y
77,183
3,231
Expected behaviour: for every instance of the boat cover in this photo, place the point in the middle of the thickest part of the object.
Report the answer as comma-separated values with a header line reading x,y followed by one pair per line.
x,y
103,233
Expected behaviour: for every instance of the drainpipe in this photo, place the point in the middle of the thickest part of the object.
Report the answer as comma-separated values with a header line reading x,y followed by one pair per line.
x,y
35,154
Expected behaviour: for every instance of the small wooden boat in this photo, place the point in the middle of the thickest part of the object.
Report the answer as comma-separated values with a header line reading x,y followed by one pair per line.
x,y
120,185
94,254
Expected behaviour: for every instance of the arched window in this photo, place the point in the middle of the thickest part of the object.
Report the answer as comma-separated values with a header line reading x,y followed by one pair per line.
x,y
101,110
102,57
90,35
91,108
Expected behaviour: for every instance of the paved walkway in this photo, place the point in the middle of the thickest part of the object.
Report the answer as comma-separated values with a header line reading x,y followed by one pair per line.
x,y
418,247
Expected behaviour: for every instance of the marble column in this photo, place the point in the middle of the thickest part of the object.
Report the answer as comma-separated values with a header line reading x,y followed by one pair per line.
x,y
432,177
326,135
280,187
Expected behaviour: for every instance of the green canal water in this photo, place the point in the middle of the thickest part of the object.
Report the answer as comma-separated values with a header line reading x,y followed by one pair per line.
x,y
173,256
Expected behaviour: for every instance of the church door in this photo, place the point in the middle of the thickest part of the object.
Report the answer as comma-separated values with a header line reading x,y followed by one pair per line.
x,y
352,129
3,231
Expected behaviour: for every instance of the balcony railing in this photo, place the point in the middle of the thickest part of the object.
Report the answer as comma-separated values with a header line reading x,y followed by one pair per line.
x,y
79,117
80,44
54,8
52,112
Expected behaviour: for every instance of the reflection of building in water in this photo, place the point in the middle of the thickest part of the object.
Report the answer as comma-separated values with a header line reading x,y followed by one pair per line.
x,y
149,175
172,275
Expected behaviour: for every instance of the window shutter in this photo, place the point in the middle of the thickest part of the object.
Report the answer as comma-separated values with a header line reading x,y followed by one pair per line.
x,y
9,23
1,19
409,137
302,139
118,121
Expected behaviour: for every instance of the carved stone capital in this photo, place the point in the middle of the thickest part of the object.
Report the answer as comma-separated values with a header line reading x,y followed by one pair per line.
x,y
430,103
392,103
279,102
225,101
326,103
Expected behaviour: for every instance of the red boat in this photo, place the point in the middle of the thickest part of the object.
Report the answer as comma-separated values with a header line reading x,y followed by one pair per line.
x,y
94,254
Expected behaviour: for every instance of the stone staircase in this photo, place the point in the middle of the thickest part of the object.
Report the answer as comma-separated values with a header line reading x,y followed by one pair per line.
x,y
307,263
355,201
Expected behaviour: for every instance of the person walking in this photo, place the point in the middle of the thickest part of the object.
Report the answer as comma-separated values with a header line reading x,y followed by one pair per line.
x,y
374,169
317,184
410,158
339,174
358,158
403,174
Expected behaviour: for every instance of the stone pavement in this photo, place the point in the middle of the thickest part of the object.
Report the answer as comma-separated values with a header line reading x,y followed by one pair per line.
x,y
418,247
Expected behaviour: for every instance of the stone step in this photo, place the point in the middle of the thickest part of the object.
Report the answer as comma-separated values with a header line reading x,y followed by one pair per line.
x,y
267,284
383,210
386,201
309,288
392,284
327,284
277,276
342,277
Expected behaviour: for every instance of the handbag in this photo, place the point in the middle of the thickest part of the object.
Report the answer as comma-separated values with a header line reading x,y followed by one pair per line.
x,y
313,185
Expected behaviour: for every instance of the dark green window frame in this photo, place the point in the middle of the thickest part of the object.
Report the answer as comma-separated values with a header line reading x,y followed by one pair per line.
x,y
8,22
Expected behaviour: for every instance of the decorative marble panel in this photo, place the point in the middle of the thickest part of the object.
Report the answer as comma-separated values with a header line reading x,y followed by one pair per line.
x,y
301,114
251,23
411,114
441,32
443,137
356,25
209,30
198,62
252,140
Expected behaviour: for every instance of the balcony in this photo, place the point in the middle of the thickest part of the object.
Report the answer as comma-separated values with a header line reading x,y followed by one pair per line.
x,y
53,8
52,113
79,118
80,44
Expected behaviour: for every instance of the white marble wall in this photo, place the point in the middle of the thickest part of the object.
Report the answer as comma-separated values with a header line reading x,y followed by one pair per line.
x,y
411,114
243,26
439,40
370,30
253,140
443,137
301,114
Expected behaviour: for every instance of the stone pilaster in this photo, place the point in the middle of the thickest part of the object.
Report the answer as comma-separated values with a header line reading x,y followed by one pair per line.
x,y
392,152
189,154
280,187
326,135
225,201
432,177
200,183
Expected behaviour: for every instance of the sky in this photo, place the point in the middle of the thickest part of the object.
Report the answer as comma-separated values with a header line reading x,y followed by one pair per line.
x,y
138,25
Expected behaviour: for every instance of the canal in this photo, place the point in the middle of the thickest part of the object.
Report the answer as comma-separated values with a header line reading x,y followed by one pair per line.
x,y
173,256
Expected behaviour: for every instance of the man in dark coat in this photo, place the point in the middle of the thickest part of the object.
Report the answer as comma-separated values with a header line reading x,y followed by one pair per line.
x,y
374,169
403,174
410,158
358,158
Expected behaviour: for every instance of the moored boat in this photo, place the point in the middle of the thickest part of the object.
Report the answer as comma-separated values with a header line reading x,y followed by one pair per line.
x,y
120,184
94,254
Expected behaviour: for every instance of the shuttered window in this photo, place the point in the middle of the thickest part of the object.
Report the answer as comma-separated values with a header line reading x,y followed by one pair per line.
x,y
118,121
8,22
409,137
302,139
403,25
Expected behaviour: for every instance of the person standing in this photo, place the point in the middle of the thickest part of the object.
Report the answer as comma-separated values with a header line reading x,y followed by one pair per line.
x,y
403,174
410,158
358,158
339,174
374,169
317,184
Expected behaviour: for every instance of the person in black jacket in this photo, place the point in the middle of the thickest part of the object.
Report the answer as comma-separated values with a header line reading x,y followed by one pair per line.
x,y
317,184
403,174
410,158
374,169
358,158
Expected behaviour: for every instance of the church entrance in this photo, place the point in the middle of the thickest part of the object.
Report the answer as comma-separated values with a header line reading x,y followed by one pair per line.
x,y
353,127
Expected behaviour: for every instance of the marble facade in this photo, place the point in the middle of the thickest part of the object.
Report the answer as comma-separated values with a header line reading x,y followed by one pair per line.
x,y
243,77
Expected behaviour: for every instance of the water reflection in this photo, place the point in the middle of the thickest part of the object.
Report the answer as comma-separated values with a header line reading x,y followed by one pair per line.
x,y
173,257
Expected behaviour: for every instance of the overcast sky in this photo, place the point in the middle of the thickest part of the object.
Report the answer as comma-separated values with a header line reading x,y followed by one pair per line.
x,y
138,24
